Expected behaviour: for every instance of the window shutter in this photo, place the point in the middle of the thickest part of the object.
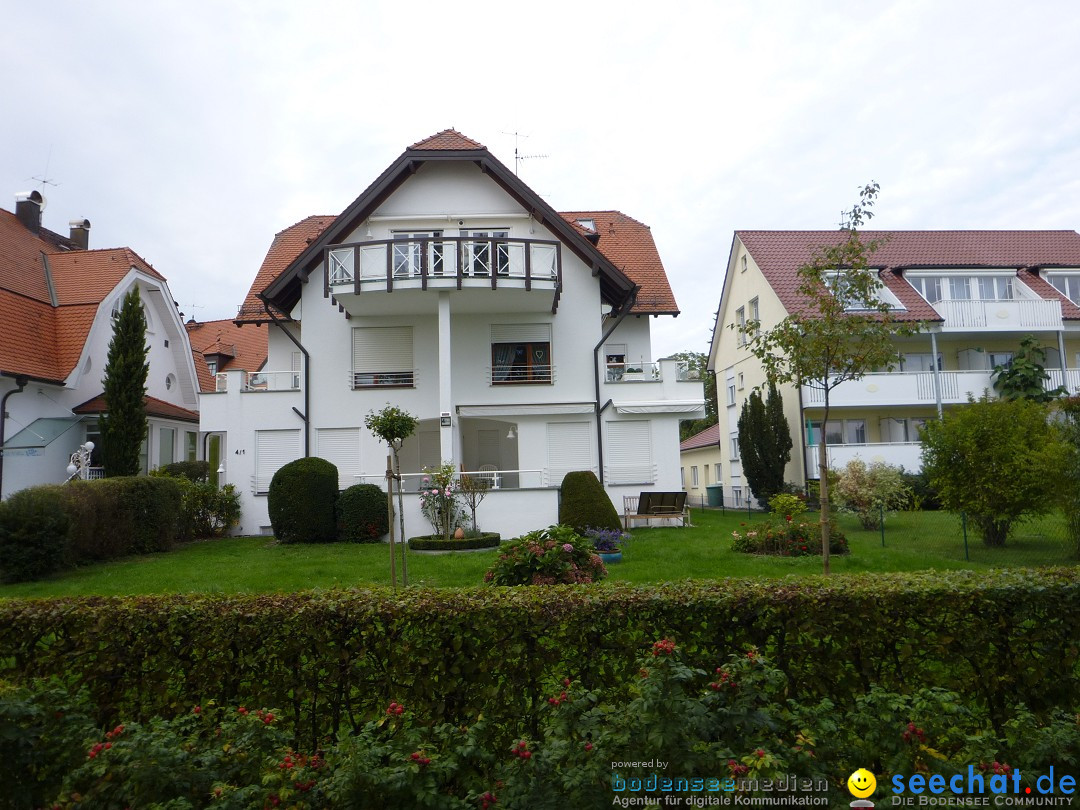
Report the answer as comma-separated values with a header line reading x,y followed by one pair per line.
x,y
382,349
521,333
628,453
341,447
570,448
273,450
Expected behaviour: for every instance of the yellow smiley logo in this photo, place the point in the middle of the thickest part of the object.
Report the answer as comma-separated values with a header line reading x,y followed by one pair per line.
x,y
861,783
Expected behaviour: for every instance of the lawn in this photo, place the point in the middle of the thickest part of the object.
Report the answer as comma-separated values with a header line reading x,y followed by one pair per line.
x,y
913,541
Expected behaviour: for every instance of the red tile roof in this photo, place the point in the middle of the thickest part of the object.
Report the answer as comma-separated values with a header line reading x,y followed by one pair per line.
x,y
287,245
239,347
154,407
629,245
447,139
709,437
49,296
779,254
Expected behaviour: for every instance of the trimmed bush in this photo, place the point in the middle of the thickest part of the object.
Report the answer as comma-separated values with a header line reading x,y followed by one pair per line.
x,y
431,542
301,501
361,514
33,534
330,660
195,471
583,503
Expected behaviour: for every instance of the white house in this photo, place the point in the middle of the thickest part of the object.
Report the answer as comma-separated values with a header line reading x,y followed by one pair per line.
x,y
57,300
520,337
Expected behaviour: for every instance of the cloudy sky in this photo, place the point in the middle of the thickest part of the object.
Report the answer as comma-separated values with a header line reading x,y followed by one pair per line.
x,y
193,131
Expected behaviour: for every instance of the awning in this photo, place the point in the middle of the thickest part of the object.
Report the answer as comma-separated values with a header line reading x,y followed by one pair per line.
x,y
662,406
41,433
555,408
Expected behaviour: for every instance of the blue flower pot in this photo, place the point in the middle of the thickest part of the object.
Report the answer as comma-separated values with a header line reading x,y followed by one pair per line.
x,y
610,556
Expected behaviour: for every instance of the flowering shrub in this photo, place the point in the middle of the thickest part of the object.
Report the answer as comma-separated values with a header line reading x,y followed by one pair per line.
x,y
439,500
551,556
607,540
869,490
787,537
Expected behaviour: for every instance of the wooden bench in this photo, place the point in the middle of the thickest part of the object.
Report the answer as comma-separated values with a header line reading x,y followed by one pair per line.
x,y
656,506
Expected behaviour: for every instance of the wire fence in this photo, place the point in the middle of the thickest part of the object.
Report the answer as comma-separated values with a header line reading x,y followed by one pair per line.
x,y
938,535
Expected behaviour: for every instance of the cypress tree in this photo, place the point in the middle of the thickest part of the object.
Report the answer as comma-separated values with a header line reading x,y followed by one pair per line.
x,y
764,443
778,435
123,426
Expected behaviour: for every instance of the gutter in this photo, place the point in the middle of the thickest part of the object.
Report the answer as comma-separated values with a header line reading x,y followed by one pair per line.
x,y
21,382
307,374
627,304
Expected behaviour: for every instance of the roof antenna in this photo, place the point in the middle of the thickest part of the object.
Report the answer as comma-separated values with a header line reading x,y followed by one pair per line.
x,y
517,156
43,178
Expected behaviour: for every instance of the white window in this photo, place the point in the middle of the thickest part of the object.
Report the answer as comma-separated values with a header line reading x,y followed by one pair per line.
x,y
935,288
166,446
919,361
415,251
693,477
744,263
742,380
995,288
682,477
628,453
705,471
995,359
1068,284
731,393
740,324
273,450
212,365
569,448
734,442
837,431
736,496
382,356
838,283
521,354
854,431
341,447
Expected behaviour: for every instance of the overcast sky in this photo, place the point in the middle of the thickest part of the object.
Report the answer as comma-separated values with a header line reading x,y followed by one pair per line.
x,y
193,131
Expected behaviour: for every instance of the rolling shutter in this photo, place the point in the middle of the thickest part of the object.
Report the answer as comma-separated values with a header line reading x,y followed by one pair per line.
x,y
382,349
628,453
273,450
341,447
521,333
570,448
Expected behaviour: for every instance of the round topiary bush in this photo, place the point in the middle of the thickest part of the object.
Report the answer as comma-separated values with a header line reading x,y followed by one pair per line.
x,y
583,504
361,514
301,501
33,534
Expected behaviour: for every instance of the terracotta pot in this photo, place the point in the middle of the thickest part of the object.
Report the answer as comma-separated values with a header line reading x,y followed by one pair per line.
x,y
459,533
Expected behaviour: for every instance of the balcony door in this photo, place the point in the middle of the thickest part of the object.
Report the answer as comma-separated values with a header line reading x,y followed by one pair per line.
x,y
478,253
409,248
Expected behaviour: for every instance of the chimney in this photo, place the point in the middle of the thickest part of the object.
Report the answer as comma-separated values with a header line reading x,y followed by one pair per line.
x,y
28,208
80,233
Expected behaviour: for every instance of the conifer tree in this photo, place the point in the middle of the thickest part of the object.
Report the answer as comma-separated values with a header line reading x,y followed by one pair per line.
x,y
764,443
123,426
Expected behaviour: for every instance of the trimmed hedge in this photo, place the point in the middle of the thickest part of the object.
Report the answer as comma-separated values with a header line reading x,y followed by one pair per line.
x,y
432,542
583,503
33,534
362,516
301,501
331,660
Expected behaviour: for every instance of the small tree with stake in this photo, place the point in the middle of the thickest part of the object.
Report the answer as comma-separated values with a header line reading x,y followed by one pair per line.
x,y
473,489
844,331
394,426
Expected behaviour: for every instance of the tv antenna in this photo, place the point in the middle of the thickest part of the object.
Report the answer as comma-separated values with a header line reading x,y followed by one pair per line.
x,y
518,157
44,178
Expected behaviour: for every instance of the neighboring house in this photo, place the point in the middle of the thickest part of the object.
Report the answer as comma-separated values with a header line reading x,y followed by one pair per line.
x,y
220,346
977,294
58,301
519,337
701,467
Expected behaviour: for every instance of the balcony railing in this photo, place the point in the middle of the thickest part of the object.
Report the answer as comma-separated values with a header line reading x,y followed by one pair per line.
x,y
899,454
382,379
499,479
647,372
383,262
1017,313
261,381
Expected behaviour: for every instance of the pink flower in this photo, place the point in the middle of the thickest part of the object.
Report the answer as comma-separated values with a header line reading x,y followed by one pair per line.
x,y
567,548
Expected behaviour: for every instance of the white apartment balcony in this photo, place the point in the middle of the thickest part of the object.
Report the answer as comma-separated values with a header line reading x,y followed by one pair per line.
x,y
259,381
888,389
528,272
248,397
899,454
665,386
1018,314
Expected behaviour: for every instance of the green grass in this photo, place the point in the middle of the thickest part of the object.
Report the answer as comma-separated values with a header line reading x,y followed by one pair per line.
x,y
913,541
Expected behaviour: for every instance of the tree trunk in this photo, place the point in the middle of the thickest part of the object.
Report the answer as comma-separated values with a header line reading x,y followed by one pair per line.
x,y
823,487
390,514
401,518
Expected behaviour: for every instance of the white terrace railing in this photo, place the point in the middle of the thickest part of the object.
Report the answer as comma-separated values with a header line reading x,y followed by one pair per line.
x,y
647,372
261,381
499,479
1018,313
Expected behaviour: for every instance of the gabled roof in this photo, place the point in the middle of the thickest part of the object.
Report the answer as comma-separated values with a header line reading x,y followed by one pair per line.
x,y
779,255
237,347
287,245
154,407
283,291
630,247
709,437
49,295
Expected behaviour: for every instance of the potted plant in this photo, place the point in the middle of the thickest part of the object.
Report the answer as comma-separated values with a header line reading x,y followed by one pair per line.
x,y
608,543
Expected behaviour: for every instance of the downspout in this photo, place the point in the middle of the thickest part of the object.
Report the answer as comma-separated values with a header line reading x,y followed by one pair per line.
x,y
307,375
803,439
21,382
627,304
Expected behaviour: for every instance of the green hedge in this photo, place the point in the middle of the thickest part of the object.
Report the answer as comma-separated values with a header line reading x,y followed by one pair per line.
x,y
431,542
301,501
331,660
362,516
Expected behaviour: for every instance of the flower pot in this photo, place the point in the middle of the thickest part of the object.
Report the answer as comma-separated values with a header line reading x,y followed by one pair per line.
x,y
610,556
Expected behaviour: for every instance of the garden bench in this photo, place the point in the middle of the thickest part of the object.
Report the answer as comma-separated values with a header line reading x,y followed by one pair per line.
x,y
656,506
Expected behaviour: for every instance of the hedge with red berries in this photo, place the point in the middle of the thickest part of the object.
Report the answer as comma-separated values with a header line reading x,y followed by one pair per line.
x,y
332,660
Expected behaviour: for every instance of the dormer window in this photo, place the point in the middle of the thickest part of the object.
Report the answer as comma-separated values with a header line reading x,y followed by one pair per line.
x,y
588,224
982,287
1067,283
838,285
212,365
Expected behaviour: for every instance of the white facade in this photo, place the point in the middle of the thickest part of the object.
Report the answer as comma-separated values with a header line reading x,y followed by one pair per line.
x,y
38,452
501,355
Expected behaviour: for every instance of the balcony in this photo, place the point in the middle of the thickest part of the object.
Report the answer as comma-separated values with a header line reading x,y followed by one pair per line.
x,y
917,388
444,263
997,316
260,381
899,454
649,372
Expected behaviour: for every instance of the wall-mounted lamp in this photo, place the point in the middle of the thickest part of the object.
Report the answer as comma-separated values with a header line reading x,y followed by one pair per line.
x,y
512,434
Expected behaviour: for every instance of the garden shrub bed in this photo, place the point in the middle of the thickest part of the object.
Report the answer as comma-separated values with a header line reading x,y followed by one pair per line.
x,y
330,661
431,542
